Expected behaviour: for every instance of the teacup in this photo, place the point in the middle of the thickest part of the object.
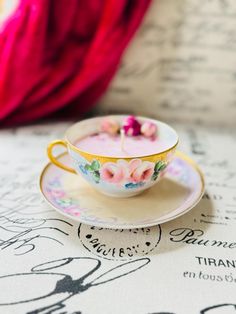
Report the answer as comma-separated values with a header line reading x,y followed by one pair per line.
x,y
148,168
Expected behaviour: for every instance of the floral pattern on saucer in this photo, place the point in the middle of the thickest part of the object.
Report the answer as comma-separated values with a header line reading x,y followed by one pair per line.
x,y
60,198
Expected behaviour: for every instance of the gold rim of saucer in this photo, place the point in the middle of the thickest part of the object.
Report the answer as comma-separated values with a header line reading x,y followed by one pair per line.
x,y
91,156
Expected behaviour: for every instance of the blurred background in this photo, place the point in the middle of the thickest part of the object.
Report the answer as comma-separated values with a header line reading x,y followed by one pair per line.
x,y
170,59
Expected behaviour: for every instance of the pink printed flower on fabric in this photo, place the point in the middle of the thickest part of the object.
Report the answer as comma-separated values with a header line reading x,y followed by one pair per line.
x,y
115,172
140,170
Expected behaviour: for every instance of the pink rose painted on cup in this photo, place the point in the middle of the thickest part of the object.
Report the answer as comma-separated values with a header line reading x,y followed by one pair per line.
x,y
115,172
140,171
135,171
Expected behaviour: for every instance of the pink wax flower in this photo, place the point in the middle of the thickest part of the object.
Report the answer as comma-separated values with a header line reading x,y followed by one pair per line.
x,y
114,172
140,170
148,129
110,126
131,126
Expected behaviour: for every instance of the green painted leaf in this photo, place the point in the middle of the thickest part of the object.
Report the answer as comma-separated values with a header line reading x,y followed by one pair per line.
x,y
160,165
157,166
95,165
88,167
96,176
155,176
163,167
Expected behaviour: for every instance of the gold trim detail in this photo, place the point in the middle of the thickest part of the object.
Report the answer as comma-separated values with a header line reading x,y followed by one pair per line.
x,y
154,157
54,159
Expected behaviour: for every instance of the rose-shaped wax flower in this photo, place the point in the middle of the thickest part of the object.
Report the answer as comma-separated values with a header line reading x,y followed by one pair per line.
x,y
148,129
110,126
131,126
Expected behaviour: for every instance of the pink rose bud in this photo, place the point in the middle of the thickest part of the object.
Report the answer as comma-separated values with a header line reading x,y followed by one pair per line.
x,y
148,129
110,126
131,126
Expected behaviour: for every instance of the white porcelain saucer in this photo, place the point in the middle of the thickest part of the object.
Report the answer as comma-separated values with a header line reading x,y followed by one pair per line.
x,y
178,191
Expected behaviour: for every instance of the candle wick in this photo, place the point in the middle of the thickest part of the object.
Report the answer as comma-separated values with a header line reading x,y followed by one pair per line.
x,y
122,142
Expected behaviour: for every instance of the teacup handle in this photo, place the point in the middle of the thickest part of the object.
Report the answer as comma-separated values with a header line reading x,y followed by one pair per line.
x,y
54,159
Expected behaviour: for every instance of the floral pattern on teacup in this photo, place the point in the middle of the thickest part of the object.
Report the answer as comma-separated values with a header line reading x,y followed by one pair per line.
x,y
115,172
140,171
92,169
132,174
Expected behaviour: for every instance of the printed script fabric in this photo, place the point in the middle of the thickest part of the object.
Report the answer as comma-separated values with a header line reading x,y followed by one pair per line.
x,y
59,53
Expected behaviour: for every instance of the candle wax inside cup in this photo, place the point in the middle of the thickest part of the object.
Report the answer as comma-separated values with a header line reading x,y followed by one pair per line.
x,y
110,145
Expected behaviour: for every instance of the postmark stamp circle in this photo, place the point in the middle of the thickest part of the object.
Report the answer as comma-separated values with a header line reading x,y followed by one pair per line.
x,y
119,244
